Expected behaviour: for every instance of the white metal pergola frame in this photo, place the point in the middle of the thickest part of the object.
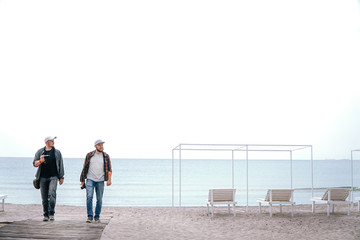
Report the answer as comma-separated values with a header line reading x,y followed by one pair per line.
x,y
235,148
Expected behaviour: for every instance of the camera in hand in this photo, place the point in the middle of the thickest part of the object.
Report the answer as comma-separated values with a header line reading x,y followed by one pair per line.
x,y
45,157
83,186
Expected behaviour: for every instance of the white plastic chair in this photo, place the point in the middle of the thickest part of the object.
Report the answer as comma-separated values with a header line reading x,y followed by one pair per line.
x,y
333,196
278,196
221,196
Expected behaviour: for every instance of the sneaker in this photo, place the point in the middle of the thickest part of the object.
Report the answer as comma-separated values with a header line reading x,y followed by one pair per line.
x,y
52,218
97,220
46,218
89,219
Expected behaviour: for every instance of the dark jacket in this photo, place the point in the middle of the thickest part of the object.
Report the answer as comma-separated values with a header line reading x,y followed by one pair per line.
x,y
59,163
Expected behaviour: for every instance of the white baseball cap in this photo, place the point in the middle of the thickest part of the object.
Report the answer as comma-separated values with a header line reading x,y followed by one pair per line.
x,y
98,141
49,138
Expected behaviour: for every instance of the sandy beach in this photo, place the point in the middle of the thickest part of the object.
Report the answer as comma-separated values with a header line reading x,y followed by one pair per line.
x,y
193,222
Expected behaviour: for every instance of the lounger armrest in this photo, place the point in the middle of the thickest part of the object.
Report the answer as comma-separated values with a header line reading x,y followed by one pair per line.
x,y
276,202
318,199
282,202
222,202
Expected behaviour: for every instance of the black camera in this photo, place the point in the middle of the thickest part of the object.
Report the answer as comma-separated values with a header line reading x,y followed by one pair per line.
x,y
45,156
83,186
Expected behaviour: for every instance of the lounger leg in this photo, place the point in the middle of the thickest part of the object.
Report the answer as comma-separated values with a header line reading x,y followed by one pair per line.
x,y
359,206
328,209
313,207
229,208
212,210
333,206
259,207
234,210
280,208
270,210
3,205
349,210
292,210
207,206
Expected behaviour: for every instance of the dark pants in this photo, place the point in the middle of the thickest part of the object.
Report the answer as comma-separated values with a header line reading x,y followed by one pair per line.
x,y
48,194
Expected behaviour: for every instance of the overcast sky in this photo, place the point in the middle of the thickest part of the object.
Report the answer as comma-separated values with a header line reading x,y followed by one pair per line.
x,y
147,75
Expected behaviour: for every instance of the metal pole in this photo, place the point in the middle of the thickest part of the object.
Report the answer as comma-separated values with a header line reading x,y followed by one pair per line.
x,y
352,179
172,189
291,176
180,176
312,173
247,179
232,158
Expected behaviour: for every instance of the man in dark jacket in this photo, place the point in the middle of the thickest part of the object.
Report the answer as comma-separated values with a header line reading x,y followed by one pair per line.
x,y
50,170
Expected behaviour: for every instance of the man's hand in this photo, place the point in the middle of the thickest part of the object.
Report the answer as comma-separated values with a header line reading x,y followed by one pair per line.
x,y
40,161
108,183
61,181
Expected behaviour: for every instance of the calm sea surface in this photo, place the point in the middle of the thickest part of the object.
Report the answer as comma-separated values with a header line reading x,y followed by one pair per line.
x,y
148,182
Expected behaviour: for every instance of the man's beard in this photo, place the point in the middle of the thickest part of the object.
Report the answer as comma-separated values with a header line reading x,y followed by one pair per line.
x,y
99,150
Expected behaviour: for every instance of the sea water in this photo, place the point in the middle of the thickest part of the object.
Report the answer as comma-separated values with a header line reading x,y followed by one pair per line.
x,y
159,182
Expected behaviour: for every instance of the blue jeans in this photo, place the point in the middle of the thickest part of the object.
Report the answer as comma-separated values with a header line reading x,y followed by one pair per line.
x,y
48,188
99,190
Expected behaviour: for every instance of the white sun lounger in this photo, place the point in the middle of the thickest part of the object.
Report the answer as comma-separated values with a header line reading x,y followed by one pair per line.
x,y
2,197
278,196
333,196
221,196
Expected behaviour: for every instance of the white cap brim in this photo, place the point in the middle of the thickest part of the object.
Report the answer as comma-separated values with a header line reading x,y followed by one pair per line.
x,y
98,141
49,138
